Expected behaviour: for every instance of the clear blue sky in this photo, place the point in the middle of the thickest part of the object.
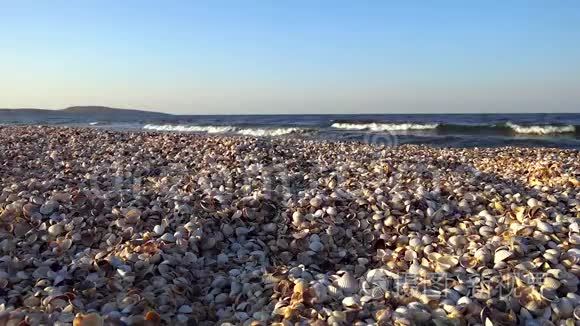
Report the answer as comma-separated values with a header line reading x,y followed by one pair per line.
x,y
292,56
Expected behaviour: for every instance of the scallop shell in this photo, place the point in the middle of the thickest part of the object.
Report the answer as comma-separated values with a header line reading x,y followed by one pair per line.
x,y
531,299
551,284
347,283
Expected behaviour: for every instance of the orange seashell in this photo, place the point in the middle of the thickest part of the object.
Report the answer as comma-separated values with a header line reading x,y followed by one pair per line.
x,y
92,319
153,317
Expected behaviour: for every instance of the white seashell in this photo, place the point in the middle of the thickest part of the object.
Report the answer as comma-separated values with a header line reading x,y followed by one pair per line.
x,y
55,230
544,227
390,221
168,237
533,202
501,255
464,301
551,284
331,211
347,283
415,242
297,218
445,263
159,229
350,302
457,241
334,291
316,202
427,239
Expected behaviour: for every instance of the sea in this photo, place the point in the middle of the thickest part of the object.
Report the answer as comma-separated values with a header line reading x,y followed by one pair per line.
x,y
560,130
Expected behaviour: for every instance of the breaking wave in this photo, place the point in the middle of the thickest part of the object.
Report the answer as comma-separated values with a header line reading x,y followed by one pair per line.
x,y
385,126
501,128
258,132
541,129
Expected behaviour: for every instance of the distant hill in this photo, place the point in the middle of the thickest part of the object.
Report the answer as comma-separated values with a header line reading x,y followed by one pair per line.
x,y
82,113
104,110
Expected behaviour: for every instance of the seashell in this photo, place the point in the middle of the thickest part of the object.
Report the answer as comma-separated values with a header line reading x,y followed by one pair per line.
x,y
168,237
467,261
153,318
564,308
270,227
320,292
301,234
501,255
133,215
551,255
347,283
49,207
332,211
316,246
532,202
577,313
482,255
31,302
350,302
55,230
444,263
390,221
544,227
316,202
531,299
159,229
457,241
92,319
550,284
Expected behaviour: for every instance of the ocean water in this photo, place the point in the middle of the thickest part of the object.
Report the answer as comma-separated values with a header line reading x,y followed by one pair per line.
x,y
452,130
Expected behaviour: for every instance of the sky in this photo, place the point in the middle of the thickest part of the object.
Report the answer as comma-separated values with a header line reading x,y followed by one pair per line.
x,y
200,57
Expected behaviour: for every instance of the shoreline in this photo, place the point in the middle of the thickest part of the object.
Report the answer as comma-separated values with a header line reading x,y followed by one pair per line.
x,y
142,227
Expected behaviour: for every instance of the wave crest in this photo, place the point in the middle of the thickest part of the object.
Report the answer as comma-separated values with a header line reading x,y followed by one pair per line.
x,y
385,126
258,132
541,129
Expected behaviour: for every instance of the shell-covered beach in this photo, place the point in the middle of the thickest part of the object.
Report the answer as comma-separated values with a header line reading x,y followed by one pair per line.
x,y
105,227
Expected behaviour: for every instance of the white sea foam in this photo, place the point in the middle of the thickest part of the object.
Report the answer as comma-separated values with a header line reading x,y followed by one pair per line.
x,y
191,128
93,123
541,130
267,132
224,129
385,126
